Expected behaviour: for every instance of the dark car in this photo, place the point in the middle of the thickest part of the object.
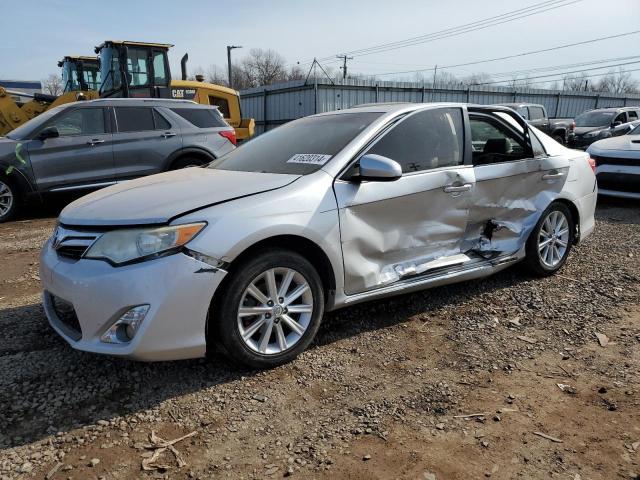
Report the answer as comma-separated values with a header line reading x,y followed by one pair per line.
x,y
558,128
603,123
84,146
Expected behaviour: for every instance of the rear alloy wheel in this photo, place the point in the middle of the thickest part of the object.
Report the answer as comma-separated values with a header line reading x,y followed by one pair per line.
x,y
270,310
186,162
550,242
8,201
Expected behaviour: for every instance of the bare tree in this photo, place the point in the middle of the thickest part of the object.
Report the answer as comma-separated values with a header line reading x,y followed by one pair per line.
x,y
52,85
264,67
618,82
476,79
217,75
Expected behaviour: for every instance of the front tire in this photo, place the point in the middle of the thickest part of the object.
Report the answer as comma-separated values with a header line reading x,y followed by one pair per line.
x,y
269,309
550,242
8,200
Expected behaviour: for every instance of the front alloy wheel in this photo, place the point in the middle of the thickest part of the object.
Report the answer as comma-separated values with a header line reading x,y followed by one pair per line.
x,y
268,309
275,311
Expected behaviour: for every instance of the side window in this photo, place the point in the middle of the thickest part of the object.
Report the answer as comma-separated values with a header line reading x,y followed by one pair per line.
x,y
80,121
134,119
524,112
427,139
161,123
493,142
633,115
222,104
137,68
160,76
622,118
536,113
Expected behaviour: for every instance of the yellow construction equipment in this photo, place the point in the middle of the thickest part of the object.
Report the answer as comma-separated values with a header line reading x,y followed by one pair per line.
x,y
81,78
141,70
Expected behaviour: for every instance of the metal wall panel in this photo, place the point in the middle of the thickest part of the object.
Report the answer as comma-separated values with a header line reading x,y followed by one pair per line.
x,y
290,100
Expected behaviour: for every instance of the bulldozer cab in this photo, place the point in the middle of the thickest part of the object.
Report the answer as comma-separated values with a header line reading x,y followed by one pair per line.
x,y
134,69
80,73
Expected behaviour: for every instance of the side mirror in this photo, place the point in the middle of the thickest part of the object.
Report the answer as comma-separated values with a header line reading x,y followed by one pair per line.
x,y
377,168
616,124
49,132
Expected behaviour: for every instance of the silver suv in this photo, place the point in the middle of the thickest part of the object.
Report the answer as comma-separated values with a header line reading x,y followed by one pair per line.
x,y
83,146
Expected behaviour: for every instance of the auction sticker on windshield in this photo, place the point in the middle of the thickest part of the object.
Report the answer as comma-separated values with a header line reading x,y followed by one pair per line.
x,y
310,158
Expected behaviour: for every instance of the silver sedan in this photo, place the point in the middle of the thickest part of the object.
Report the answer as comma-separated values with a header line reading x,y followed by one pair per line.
x,y
320,213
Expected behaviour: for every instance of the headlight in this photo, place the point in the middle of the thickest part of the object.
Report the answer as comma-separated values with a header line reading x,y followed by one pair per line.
x,y
122,246
593,134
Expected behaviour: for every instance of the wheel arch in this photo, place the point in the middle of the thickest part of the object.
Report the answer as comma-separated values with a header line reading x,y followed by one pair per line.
x,y
196,152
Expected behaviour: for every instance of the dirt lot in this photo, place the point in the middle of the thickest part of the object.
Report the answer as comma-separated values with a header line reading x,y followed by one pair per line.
x,y
501,378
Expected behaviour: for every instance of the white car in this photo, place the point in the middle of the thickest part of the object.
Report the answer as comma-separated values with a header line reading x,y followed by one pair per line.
x,y
618,165
322,212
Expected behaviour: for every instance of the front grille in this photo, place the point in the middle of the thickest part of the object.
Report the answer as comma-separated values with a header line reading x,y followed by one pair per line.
x,y
72,243
620,182
616,161
66,314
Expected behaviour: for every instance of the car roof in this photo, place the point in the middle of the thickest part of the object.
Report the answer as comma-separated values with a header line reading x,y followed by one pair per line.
x,y
613,109
139,102
516,105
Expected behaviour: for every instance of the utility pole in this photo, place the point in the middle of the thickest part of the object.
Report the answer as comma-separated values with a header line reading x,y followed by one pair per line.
x,y
344,59
229,48
433,88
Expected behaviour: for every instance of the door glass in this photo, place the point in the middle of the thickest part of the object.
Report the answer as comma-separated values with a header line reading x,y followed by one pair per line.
x,y
632,115
137,68
160,122
524,112
428,139
80,121
134,119
620,118
536,113
493,143
160,76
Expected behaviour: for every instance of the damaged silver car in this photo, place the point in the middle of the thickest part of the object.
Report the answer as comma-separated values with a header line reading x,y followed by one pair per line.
x,y
323,212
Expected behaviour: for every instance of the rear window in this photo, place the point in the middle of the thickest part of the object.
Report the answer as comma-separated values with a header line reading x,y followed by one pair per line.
x,y
299,147
202,117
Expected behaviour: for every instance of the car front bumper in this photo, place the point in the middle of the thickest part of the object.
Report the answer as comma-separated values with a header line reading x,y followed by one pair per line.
x,y
616,180
177,288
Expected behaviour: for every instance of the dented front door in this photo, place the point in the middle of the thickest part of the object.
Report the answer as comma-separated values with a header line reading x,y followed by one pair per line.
x,y
393,230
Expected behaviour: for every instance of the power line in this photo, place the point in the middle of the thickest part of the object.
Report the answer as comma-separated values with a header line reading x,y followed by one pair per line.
x,y
461,29
562,73
517,55
581,77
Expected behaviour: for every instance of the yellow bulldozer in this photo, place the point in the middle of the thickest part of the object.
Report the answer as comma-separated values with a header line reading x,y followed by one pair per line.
x,y
80,78
141,70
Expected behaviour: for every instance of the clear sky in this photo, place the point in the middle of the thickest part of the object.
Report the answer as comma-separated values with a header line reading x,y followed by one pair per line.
x,y
35,34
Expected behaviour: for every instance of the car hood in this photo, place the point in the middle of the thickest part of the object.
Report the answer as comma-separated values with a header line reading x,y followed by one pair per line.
x,y
158,199
624,143
583,130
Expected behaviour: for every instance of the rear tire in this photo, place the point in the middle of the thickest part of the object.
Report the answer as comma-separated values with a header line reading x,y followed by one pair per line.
x,y
260,317
8,199
550,242
559,138
186,162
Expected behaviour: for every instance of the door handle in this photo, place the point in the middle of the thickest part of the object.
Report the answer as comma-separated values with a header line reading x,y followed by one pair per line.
x,y
168,134
457,188
552,176
95,141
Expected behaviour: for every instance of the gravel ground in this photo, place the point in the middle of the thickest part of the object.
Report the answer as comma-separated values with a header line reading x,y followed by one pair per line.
x,y
502,377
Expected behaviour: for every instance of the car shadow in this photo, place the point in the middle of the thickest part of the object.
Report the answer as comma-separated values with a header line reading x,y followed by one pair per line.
x,y
48,387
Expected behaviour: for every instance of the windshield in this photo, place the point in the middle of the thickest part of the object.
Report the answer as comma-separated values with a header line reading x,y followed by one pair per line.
x,y
70,77
299,147
109,70
25,130
594,119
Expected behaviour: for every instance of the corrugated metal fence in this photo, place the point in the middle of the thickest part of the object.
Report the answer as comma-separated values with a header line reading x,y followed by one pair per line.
x,y
277,104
